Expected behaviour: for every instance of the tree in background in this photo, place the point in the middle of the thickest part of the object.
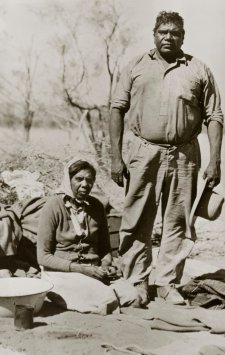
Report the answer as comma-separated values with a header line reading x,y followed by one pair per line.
x,y
18,91
28,78
109,22
17,82
91,41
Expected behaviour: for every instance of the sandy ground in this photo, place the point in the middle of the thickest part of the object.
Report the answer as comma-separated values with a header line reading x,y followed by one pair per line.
x,y
56,332
74,333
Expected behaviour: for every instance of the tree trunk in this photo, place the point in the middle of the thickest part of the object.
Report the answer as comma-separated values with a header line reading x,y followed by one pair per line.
x,y
28,120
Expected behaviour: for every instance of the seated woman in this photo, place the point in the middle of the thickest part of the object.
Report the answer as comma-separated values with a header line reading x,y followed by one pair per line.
x,y
73,247
73,239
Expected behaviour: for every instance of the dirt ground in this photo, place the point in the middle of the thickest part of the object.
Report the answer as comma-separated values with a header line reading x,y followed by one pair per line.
x,y
74,333
57,332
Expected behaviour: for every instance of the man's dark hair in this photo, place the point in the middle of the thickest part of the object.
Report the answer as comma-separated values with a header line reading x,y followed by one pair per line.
x,y
81,165
166,17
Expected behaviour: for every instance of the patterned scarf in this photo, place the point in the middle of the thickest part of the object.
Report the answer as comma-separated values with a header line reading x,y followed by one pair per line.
x,y
78,216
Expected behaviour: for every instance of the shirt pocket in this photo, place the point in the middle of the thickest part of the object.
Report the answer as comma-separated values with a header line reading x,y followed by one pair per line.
x,y
189,100
188,117
190,88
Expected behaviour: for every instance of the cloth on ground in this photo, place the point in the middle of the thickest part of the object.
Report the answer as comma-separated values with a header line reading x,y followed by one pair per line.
x,y
207,300
13,266
201,343
28,212
129,349
78,292
10,231
207,290
162,325
18,230
212,350
194,344
18,221
180,316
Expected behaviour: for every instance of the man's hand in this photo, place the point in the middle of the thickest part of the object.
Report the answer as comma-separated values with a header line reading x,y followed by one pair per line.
x,y
118,171
212,174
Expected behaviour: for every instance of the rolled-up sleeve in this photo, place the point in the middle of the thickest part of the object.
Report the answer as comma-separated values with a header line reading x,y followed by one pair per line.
x,y
121,95
211,100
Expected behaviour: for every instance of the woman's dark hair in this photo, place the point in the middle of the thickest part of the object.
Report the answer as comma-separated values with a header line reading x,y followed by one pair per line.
x,y
166,17
81,165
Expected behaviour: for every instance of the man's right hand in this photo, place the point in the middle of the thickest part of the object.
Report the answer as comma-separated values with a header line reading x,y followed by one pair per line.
x,y
118,171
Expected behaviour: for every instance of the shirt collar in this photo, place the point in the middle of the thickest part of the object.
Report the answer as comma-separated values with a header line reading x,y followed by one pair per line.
x,y
154,54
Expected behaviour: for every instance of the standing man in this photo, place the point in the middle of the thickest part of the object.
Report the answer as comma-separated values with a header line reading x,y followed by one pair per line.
x,y
169,95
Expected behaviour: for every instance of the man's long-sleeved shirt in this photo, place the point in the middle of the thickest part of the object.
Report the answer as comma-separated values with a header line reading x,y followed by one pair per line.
x,y
167,105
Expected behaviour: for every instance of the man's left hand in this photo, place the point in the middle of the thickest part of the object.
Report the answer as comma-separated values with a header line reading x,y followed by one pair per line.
x,y
212,174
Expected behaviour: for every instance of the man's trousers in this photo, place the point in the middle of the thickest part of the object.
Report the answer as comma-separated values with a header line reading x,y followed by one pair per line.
x,y
158,173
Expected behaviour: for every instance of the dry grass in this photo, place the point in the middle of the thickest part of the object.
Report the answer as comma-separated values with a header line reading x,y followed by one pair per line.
x,y
47,152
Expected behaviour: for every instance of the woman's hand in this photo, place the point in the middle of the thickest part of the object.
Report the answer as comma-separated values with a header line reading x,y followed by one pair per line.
x,y
112,273
96,272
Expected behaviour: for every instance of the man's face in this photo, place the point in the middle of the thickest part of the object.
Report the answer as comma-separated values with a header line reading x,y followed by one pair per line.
x,y
168,39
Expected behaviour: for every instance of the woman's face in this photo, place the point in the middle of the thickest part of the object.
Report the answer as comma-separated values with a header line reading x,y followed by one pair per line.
x,y
81,184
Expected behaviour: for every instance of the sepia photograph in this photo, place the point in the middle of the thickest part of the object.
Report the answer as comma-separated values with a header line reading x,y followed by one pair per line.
x,y
112,177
